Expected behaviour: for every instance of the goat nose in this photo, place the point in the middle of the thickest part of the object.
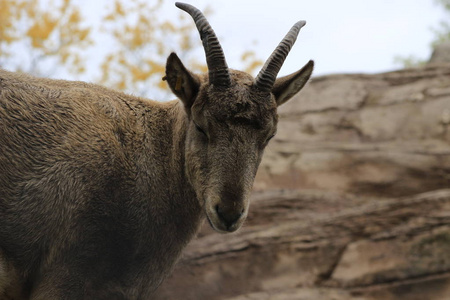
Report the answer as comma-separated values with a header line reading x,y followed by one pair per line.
x,y
228,216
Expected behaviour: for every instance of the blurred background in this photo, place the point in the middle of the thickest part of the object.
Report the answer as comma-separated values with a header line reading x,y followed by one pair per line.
x,y
352,198
124,44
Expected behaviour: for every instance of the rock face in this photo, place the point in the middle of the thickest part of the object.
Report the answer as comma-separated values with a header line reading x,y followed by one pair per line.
x,y
385,135
441,54
352,200
316,245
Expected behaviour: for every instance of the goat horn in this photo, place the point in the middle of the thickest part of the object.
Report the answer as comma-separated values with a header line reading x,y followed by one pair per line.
x,y
215,58
268,74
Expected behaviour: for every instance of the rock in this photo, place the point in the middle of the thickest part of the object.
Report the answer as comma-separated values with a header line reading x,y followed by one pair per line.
x,y
386,260
380,135
332,243
352,200
301,294
441,54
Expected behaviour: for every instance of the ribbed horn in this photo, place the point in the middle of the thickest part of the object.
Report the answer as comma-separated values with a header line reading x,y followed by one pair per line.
x,y
215,58
268,74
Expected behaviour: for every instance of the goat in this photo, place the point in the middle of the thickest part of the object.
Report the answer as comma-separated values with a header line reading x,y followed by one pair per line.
x,y
100,191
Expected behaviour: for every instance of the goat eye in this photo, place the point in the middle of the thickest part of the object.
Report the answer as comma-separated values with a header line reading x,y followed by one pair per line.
x,y
268,140
199,129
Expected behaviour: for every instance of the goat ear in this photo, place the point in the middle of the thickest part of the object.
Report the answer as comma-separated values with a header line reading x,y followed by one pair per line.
x,y
182,82
286,87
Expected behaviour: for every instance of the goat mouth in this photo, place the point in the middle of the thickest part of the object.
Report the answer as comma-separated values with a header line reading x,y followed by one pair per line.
x,y
221,228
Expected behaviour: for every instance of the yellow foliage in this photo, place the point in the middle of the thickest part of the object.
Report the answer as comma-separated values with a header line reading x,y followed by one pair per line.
x,y
64,55
162,84
139,74
252,63
6,16
75,17
142,34
186,43
51,31
199,67
253,66
30,9
119,9
84,33
122,61
156,67
41,30
64,6
247,54
122,85
137,38
168,26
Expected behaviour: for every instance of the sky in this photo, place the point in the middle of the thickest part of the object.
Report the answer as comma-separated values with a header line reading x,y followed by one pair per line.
x,y
346,36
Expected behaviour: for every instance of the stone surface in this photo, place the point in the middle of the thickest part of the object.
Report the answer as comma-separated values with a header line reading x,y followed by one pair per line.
x,y
352,200
381,135
441,54
335,244
301,294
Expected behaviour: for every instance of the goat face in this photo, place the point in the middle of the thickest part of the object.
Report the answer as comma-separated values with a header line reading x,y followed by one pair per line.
x,y
228,131
231,117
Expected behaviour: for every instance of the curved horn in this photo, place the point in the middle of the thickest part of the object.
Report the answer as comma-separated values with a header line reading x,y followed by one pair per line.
x,y
268,74
215,58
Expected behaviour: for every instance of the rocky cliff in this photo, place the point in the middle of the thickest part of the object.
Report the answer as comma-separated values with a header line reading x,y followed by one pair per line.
x,y
384,135
352,199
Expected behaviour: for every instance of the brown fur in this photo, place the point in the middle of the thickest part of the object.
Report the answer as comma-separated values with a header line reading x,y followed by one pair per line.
x,y
100,191
78,167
